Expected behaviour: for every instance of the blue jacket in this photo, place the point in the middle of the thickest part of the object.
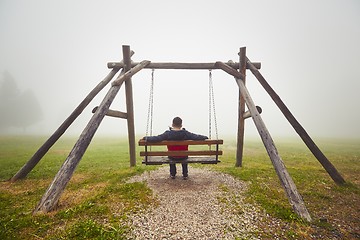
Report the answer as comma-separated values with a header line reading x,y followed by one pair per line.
x,y
182,134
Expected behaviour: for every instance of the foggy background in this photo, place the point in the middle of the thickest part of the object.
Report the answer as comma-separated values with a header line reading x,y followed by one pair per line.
x,y
56,52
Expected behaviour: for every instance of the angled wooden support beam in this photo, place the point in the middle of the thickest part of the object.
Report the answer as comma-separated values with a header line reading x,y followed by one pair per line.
x,y
35,159
288,184
50,199
329,167
179,65
39,154
112,113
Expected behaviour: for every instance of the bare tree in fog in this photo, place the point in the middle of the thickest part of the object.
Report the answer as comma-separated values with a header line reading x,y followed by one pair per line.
x,y
17,109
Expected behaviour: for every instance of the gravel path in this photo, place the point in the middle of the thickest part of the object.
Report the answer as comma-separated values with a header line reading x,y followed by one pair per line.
x,y
208,205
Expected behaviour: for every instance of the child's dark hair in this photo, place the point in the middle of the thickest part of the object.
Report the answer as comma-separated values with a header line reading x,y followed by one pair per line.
x,y
177,122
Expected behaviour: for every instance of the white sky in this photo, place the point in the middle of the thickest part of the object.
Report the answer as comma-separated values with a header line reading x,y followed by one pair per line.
x,y
309,52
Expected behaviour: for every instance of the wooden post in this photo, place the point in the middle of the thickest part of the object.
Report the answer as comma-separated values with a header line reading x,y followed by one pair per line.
x,y
329,167
288,184
130,108
241,111
53,193
35,159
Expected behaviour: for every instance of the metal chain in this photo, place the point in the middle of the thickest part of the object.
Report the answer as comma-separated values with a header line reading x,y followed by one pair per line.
x,y
212,106
150,107
210,84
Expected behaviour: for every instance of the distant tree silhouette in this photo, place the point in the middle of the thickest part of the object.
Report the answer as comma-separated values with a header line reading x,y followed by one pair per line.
x,y
18,109
8,93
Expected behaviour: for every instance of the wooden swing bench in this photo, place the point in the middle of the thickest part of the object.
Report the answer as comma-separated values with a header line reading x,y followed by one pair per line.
x,y
194,156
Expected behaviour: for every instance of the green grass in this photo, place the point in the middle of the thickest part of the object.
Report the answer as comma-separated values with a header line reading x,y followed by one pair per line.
x,y
97,200
334,209
94,204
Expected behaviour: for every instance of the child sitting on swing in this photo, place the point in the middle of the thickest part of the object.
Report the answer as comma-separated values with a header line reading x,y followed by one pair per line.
x,y
176,133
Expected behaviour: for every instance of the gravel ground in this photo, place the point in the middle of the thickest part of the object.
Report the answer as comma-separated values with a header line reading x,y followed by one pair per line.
x,y
208,205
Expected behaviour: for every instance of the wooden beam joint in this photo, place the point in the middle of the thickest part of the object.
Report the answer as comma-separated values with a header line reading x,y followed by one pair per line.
x,y
229,70
247,114
113,113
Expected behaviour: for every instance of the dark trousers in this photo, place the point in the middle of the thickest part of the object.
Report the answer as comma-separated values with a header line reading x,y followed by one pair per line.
x,y
184,169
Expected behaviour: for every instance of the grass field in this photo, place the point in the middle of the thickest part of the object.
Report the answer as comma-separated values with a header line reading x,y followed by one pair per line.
x,y
97,200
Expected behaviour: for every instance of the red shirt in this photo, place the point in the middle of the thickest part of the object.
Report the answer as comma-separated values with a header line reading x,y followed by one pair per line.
x,y
178,148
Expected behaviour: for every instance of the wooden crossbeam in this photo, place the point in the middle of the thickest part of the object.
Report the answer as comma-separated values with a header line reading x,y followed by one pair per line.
x,y
179,65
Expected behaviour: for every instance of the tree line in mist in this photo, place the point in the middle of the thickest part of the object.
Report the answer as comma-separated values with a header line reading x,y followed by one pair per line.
x,y
18,109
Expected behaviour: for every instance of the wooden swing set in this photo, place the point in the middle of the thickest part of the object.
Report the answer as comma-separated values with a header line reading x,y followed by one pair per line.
x,y
203,156
128,69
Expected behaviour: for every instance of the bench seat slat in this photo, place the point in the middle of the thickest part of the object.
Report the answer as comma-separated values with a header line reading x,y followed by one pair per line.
x,y
158,160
